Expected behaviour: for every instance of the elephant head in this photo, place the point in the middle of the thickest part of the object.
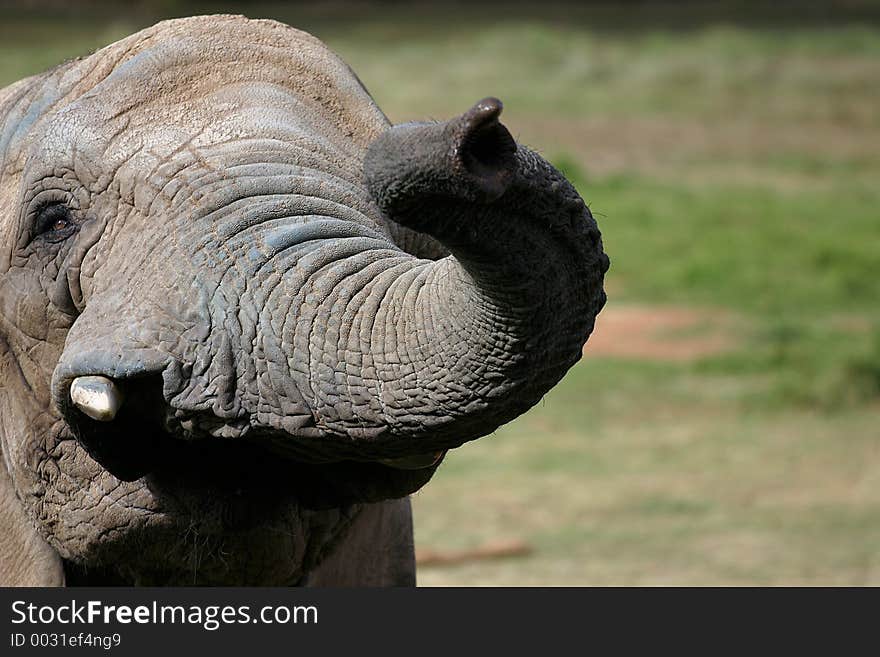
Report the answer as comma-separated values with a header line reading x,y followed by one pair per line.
x,y
238,308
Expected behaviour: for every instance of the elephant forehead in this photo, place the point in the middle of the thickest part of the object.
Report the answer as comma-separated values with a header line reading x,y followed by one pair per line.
x,y
178,61
90,132
209,78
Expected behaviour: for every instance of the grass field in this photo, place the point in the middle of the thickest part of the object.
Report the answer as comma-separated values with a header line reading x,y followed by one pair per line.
x,y
733,168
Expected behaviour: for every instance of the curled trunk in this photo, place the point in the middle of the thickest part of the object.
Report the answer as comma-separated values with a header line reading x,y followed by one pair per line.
x,y
299,319
401,353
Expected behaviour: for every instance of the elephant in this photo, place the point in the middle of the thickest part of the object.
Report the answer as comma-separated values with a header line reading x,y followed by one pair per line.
x,y
243,316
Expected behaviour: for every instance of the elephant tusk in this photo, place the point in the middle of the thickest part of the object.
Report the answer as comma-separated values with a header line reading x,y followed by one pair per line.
x,y
96,396
416,462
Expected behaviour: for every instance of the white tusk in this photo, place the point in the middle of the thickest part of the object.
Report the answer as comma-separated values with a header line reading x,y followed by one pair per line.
x,y
96,396
416,462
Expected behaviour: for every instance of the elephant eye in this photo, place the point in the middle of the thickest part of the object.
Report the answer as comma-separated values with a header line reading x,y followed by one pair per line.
x,y
54,222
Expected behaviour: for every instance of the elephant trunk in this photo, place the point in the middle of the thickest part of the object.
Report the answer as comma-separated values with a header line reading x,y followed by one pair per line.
x,y
446,351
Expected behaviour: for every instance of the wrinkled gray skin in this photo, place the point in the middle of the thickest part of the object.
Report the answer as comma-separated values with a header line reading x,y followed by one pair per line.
x,y
302,306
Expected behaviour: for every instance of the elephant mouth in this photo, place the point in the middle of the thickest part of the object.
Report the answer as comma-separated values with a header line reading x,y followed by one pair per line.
x,y
138,443
244,470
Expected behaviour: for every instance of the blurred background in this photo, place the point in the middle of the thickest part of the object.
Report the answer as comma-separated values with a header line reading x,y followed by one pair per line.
x,y
724,424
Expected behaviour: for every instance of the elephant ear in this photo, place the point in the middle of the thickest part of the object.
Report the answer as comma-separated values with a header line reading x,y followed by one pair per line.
x,y
25,558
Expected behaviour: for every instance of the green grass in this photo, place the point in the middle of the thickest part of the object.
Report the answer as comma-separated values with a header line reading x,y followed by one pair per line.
x,y
733,168
636,474
796,264
808,252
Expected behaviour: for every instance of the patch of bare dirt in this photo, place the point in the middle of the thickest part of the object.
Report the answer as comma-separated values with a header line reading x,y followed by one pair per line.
x,y
660,333
489,551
